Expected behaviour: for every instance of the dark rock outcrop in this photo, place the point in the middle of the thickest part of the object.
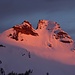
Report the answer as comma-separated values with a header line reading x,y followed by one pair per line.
x,y
62,36
24,28
2,45
41,24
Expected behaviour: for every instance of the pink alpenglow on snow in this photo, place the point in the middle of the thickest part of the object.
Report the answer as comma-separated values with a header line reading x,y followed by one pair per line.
x,y
46,50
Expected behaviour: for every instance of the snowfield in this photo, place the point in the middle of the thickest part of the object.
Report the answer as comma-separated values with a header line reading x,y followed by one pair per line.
x,y
47,50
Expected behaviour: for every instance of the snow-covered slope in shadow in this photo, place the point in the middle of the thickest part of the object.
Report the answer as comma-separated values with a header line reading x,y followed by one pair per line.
x,y
20,60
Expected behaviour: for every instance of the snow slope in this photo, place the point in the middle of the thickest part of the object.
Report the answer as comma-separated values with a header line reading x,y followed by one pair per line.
x,y
45,49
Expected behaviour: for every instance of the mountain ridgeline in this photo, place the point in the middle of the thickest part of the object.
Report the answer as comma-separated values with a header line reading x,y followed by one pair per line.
x,y
24,28
53,27
46,50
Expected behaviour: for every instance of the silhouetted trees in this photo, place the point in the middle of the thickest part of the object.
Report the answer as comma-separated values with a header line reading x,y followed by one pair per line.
x,y
2,72
26,73
47,73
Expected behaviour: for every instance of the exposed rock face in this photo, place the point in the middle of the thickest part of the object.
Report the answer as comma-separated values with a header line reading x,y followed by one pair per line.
x,y
63,36
24,28
55,30
42,24
2,45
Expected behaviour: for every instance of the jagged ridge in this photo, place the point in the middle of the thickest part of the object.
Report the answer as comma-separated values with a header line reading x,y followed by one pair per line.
x,y
49,48
24,28
53,28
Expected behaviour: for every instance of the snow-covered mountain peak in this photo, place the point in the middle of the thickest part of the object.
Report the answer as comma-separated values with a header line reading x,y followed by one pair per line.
x,y
27,23
45,28
24,28
42,24
23,48
54,31
24,24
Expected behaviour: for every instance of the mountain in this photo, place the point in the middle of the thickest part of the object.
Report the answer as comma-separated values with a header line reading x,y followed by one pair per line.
x,y
46,50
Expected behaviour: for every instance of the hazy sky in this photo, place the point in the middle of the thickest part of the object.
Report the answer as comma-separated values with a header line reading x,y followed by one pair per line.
x,y
16,11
